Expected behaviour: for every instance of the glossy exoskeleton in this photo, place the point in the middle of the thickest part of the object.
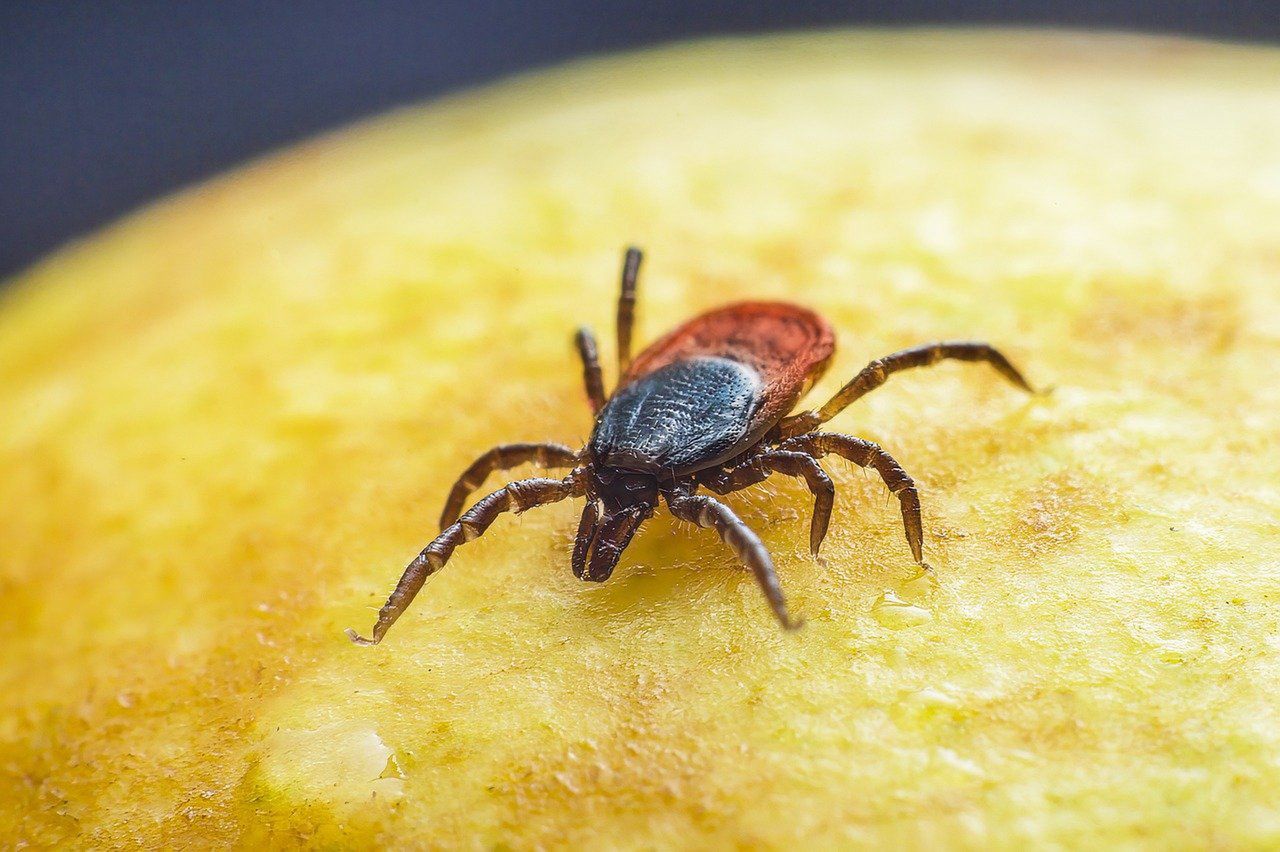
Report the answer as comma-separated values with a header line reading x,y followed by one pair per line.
x,y
706,406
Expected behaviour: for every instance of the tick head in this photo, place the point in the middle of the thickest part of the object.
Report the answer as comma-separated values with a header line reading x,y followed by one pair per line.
x,y
621,490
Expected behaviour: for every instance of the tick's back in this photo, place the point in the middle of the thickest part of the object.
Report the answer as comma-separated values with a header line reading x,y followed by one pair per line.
x,y
682,417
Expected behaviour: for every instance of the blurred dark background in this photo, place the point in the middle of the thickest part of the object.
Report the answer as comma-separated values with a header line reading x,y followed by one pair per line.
x,y
105,105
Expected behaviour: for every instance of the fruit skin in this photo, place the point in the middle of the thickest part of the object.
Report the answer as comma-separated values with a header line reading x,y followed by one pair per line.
x,y
227,422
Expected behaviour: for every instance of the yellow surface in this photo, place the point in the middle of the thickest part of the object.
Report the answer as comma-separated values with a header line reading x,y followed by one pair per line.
x,y
228,422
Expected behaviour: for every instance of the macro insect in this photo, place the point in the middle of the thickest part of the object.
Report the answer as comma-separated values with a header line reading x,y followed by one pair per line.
x,y
706,406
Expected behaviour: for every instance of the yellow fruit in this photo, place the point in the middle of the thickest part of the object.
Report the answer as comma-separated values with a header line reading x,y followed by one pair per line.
x,y
227,423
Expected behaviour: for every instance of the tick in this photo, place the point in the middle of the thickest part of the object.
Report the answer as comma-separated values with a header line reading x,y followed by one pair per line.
x,y
706,406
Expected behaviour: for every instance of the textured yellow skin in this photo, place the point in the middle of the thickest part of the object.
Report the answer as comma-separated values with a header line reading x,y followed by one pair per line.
x,y
228,422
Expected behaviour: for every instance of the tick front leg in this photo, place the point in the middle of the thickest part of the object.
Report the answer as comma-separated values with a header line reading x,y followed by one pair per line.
x,y
789,463
866,454
745,544
878,372
516,497
503,457
592,375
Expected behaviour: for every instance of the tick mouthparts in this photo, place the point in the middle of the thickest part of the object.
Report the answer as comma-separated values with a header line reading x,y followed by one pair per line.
x,y
587,529
611,539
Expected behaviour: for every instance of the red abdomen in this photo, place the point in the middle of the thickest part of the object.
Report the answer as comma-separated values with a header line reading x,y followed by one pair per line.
x,y
787,345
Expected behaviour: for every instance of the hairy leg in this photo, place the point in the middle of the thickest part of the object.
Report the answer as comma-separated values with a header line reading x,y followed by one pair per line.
x,y
789,463
502,457
866,454
878,372
627,307
745,544
592,376
516,497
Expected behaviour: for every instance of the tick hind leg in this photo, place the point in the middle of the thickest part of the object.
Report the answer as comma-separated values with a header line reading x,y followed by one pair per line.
x,y
866,454
502,457
745,544
789,463
592,375
515,497
878,372
627,307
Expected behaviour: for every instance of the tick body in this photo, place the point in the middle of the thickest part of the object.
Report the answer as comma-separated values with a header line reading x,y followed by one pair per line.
x,y
708,406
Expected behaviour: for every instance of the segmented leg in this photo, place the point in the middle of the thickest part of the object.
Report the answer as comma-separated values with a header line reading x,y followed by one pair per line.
x,y
878,372
745,544
627,307
592,376
515,497
789,463
866,454
502,457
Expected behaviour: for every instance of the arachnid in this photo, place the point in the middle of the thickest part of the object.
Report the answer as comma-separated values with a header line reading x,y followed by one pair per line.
x,y
705,406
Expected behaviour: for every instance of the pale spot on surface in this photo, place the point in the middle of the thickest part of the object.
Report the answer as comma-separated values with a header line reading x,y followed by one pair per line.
x,y
895,613
341,763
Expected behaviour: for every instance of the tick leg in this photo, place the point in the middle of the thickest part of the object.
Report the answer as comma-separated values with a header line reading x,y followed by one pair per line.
x,y
745,544
866,454
592,376
627,307
878,372
502,457
516,497
790,463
